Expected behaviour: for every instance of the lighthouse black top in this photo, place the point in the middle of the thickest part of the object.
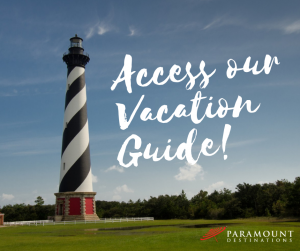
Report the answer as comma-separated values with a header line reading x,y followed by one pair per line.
x,y
76,55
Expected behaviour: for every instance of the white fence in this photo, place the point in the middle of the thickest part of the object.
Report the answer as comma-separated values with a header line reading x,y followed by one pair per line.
x,y
101,220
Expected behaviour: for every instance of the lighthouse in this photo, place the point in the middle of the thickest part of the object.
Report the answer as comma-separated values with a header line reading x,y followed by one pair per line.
x,y
75,199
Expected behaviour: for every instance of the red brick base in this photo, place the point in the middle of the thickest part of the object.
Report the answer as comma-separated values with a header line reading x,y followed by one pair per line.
x,y
1,219
75,206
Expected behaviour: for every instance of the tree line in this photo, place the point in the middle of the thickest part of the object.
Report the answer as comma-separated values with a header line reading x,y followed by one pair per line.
x,y
279,199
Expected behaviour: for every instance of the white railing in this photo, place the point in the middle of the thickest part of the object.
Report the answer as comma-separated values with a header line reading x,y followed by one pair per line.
x,y
101,220
22,223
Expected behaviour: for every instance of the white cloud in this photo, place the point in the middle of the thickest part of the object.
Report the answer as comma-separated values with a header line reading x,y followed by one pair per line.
x,y
90,32
29,146
213,23
292,28
189,172
94,178
132,31
7,196
103,28
244,143
30,81
215,186
26,153
238,162
123,188
263,182
116,197
99,28
284,26
189,194
224,20
120,169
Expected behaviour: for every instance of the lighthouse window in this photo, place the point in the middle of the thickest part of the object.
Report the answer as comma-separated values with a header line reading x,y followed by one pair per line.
x,y
76,43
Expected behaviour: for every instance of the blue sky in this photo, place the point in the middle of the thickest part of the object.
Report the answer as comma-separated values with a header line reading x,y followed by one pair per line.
x,y
262,147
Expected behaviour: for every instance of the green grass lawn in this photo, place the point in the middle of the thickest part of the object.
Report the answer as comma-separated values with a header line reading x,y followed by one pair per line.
x,y
161,235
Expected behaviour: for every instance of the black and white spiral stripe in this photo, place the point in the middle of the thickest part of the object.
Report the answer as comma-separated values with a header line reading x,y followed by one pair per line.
x,y
75,169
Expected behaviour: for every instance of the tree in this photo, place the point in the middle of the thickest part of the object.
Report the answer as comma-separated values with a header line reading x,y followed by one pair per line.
x,y
294,194
39,201
248,196
199,197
